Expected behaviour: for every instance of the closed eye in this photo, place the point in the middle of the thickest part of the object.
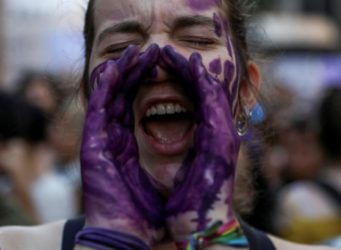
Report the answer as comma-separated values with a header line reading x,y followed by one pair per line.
x,y
114,51
200,43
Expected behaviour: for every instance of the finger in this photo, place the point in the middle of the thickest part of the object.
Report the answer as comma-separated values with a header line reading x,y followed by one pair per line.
x,y
176,64
106,83
107,78
96,117
147,61
215,108
104,72
129,59
145,195
200,72
95,74
173,59
131,74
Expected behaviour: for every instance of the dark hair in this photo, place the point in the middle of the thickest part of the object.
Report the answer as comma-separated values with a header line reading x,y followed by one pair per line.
x,y
89,36
236,10
29,77
329,117
20,119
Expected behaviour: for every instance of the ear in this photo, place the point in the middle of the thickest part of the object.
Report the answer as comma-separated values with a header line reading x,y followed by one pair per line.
x,y
249,87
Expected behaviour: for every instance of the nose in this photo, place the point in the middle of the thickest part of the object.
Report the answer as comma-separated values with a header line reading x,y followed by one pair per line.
x,y
160,40
163,40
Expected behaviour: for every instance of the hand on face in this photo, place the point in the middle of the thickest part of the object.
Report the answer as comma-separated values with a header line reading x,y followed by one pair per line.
x,y
117,191
204,184
118,194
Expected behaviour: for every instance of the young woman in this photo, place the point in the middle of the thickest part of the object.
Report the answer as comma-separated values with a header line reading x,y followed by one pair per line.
x,y
168,87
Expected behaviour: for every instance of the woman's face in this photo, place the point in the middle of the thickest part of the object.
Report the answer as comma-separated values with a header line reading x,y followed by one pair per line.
x,y
188,26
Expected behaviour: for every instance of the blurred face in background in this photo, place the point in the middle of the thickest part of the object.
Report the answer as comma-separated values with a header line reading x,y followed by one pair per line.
x,y
304,155
40,94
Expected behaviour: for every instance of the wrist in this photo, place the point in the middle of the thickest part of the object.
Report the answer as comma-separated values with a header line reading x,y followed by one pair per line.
x,y
216,234
122,226
103,239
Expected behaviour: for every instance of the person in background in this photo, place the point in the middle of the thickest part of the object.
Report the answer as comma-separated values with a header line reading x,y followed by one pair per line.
x,y
168,87
68,124
11,211
298,139
27,162
309,211
41,89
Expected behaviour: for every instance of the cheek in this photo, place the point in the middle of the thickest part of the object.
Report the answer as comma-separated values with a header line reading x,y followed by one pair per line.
x,y
215,67
230,74
227,71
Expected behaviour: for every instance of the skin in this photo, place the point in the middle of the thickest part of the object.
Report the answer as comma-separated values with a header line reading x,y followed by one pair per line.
x,y
113,11
202,193
190,41
158,20
124,198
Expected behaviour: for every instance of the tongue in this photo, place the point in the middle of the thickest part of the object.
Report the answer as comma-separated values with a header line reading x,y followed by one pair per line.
x,y
168,132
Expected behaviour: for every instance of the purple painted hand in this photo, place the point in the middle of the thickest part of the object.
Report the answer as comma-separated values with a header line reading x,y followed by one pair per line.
x,y
117,191
204,184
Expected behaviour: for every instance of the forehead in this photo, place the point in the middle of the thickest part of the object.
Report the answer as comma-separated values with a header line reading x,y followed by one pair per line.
x,y
151,10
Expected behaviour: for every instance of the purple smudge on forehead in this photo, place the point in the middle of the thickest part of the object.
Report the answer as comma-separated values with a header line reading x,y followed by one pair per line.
x,y
216,67
202,4
218,27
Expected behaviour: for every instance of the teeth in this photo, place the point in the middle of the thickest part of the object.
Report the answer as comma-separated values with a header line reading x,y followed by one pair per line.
x,y
170,108
165,108
178,108
161,109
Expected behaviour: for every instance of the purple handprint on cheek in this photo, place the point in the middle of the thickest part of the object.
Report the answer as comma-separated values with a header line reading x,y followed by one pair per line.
x,y
117,191
204,184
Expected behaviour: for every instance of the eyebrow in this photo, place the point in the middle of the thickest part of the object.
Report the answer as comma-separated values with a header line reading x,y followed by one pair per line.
x,y
188,21
122,27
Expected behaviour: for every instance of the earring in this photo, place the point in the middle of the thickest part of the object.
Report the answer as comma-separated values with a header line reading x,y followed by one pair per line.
x,y
243,121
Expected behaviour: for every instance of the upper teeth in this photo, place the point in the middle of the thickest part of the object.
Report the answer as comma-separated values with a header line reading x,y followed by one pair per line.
x,y
167,108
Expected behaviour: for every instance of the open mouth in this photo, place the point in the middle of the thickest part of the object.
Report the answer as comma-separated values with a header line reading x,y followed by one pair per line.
x,y
168,123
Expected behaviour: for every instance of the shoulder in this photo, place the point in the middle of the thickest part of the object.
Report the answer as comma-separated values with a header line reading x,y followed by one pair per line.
x,y
48,236
285,245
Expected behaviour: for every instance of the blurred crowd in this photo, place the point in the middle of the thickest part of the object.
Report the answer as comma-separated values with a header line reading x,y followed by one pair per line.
x,y
294,157
293,152
40,126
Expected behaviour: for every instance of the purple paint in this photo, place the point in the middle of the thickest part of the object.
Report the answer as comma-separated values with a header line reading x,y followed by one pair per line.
x,y
218,27
215,66
108,145
229,69
202,4
215,147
